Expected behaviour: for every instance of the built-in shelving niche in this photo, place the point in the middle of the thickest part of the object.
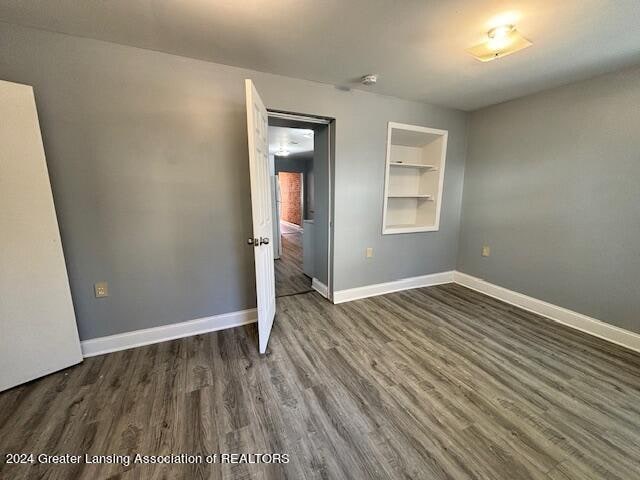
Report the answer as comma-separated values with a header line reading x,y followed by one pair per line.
x,y
414,178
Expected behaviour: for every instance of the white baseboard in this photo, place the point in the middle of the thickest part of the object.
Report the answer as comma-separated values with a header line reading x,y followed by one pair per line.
x,y
138,338
578,321
558,314
350,294
320,287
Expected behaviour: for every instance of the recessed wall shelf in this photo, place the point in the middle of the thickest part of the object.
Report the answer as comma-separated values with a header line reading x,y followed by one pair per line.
x,y
414,178
412,165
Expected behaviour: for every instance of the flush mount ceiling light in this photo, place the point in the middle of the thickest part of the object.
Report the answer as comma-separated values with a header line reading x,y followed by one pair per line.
x,y
501,40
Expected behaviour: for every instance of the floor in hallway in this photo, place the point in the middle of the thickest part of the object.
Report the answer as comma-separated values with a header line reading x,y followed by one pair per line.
x,y
290,278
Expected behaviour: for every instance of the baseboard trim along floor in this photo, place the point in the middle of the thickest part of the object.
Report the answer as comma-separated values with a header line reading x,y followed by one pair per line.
x,y
556,313
350,294
138,338
320,287
578,321
553,312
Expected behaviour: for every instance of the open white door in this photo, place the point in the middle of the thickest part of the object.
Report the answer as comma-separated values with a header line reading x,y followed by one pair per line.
x,y
38,333
257,128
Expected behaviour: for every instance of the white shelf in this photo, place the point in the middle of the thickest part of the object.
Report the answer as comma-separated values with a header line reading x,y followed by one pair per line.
x,y
431,168
409,195
407,228
413,155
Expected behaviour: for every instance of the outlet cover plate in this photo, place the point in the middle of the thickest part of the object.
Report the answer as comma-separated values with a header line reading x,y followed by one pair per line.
x,y
101,289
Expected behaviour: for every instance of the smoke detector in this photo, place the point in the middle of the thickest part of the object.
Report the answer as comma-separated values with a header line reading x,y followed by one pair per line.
x,y
370,79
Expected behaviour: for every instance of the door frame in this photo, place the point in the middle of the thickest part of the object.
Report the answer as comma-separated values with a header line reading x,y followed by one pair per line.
x,y
331,126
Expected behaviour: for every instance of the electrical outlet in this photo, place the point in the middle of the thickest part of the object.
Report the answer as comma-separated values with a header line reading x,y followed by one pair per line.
x,y
101,289
486,250
369,252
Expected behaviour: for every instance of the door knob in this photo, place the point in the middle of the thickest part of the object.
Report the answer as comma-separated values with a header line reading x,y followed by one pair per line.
x,y
264,241
253,241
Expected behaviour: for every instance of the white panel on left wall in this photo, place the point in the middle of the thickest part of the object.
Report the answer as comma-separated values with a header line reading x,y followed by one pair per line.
x,y
38,332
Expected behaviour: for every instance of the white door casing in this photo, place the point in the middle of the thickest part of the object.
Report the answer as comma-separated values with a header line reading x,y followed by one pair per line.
x,y
261,207
273,180
277,214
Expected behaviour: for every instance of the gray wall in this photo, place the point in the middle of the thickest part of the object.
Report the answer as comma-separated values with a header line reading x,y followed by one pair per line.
x,y
321,212
309,195
552,184
148,162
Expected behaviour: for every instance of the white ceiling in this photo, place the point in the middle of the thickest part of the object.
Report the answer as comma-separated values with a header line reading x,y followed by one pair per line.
x,y
417,46
295,140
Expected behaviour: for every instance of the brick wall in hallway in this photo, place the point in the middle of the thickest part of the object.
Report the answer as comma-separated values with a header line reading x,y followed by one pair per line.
x,y
291,197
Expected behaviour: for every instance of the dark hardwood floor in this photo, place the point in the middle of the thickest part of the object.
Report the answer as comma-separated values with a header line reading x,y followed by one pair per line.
x,y
432,383
290,278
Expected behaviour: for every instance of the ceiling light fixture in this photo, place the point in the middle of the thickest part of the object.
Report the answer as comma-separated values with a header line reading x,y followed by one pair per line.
x,y
499,37
501,40
308,134
283,152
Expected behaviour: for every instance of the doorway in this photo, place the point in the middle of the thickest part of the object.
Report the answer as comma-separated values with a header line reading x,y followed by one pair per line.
x,y
266,240
299,157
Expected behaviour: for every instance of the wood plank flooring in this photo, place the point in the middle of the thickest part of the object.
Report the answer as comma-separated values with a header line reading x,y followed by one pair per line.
x,y
432,383
290,278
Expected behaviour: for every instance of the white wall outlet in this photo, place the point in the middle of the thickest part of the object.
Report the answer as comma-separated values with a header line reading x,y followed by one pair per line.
x,y
369,252
101,289
486,250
